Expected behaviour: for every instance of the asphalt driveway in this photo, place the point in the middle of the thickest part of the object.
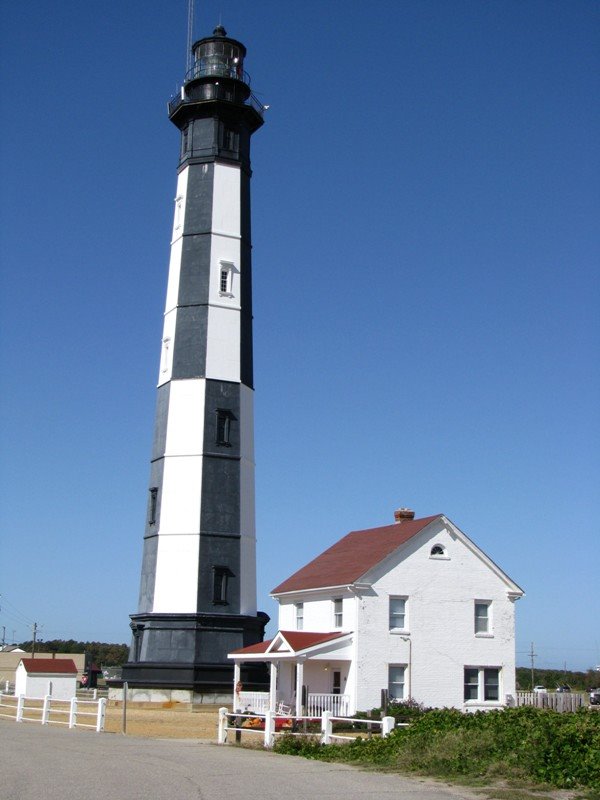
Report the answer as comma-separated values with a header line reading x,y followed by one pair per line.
x,y
55,763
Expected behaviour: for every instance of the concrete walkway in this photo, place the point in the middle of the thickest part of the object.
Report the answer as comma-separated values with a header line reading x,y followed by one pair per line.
x,y
55,763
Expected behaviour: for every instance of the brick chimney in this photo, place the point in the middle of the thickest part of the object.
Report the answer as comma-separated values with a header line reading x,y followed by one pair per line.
x,y
403,513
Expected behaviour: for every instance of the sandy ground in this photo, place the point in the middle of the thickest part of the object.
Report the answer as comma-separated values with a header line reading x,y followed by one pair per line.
x,y
165,723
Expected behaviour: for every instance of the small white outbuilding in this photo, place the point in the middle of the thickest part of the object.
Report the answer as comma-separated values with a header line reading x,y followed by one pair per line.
x,y
37,677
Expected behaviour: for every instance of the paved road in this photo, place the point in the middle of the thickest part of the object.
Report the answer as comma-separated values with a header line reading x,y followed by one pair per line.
x,y
55,763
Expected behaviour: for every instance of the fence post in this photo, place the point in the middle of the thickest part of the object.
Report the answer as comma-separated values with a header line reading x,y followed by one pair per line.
x,y
95,694
222,729
73,713
7,687
387,726
269,727
46,709
125,688
20,704
101,714
326,727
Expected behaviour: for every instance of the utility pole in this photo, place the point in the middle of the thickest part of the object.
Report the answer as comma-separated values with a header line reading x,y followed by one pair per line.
x,y
34,628
532,655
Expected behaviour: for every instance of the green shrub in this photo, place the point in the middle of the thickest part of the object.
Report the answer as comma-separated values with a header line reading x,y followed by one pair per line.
x,y
562,750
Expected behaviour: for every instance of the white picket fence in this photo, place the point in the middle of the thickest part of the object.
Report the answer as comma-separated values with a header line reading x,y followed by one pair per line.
x,y
48,711
232,721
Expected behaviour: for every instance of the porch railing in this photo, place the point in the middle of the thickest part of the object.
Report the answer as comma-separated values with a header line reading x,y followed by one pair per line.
x,y
337,704
258,702
317,702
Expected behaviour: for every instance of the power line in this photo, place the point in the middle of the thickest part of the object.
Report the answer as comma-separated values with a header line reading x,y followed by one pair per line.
x,y
24,617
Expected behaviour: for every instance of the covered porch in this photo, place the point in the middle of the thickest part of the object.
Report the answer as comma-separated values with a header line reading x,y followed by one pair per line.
x,y
309,673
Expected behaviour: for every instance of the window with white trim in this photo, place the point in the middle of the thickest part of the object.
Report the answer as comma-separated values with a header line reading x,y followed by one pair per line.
x,y
482,684
396,682
165,354
226,269
178,212
338,612
398,616
437,551
299,616
483,621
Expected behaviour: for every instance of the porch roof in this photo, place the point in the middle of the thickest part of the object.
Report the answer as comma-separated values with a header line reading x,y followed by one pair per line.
x,y
288,644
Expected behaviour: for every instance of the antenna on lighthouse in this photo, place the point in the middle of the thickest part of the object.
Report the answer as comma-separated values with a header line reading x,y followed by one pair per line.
x,y
190,35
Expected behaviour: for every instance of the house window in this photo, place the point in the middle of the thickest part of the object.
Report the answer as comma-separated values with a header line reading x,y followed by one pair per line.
x,y
396,682
224,420
221,577
338,614
299,616
437,550
153,504
397,613
482,616
482,683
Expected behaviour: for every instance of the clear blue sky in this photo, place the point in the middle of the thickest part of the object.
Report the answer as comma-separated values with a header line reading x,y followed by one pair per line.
x,y
425,209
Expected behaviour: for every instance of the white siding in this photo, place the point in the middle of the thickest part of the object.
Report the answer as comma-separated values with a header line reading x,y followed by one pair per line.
x,y
441,595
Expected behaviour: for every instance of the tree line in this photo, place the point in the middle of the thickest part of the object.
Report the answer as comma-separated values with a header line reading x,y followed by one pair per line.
x,y
101,653
552,678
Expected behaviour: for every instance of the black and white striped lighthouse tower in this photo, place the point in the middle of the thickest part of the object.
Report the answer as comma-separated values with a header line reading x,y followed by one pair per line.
x,y
198,586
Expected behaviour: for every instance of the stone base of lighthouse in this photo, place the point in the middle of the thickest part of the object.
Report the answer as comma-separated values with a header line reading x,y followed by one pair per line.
x,y
183,657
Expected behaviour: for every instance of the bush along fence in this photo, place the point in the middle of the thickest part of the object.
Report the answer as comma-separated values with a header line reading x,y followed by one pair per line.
x,y
75,713
271,724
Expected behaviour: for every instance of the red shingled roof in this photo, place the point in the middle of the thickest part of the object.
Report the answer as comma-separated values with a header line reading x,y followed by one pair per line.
x,y
60,666
297,640
353,555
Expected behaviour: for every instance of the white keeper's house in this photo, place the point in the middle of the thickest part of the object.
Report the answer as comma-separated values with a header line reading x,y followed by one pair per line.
x,y
415,608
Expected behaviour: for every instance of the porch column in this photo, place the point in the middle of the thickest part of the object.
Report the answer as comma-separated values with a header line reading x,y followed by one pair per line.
x,y
299,685
237,671
273,686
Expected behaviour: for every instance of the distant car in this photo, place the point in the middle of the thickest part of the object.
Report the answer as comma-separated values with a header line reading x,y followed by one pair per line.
x,y
540,689
595,697
563,688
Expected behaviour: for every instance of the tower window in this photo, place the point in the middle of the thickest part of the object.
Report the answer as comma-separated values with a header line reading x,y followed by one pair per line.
x,y
221,577
299,616
224,420
185,137
153,504
229,139
178,212
226,278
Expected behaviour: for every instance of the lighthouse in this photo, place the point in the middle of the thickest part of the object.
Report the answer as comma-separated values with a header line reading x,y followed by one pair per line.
x,y
197,597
